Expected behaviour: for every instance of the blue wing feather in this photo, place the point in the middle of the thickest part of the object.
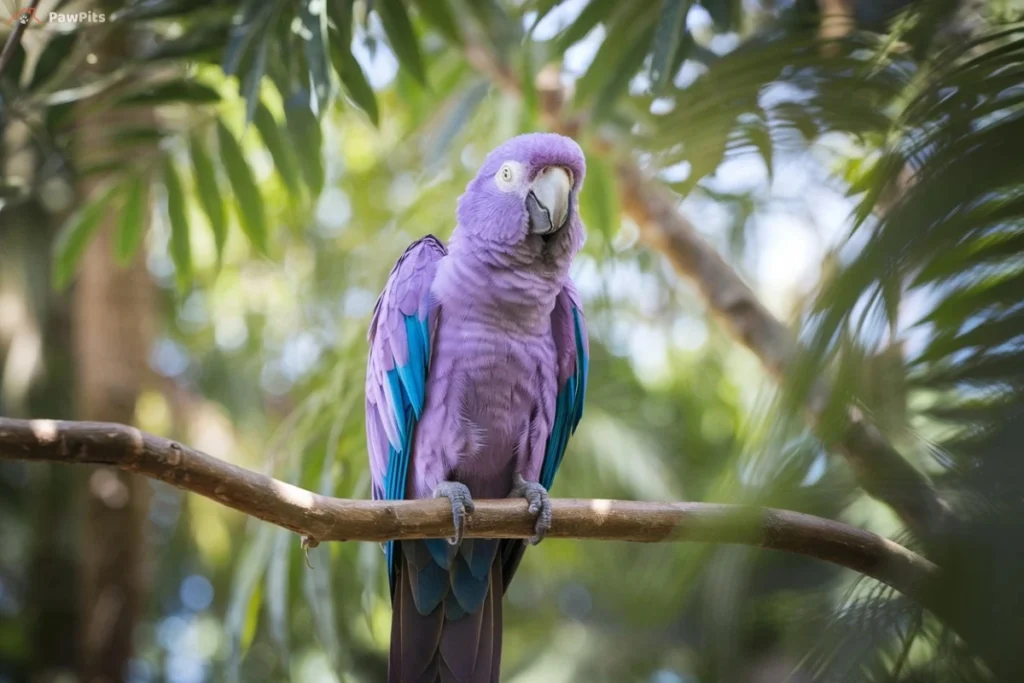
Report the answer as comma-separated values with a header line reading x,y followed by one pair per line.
x,y
582,366
397,371
569,403
408,386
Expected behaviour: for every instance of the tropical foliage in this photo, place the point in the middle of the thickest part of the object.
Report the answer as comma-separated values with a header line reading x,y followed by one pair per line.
x,y
271,160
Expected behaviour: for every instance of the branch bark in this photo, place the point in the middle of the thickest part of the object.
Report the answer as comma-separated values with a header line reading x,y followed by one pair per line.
x,y
322,518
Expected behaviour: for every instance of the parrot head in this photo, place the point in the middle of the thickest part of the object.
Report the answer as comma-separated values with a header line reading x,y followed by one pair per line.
x,y
524,202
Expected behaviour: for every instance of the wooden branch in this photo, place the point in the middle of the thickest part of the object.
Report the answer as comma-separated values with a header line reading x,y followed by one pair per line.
x,y
322,518
14,38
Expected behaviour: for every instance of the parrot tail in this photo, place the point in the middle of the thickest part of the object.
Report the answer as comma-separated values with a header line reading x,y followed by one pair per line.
x,y
446,623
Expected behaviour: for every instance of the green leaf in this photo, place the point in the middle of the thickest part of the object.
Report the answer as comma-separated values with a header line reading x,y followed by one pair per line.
x,y
725,13
354,80
987,251
439,14
247,55
317,588
668,37
172,92
543,7
287,68
181,251
243,30
995,292
340,14
254,78
250,26
199,44
156,9
529,88
138,135
423,107
462,109
132,224
305,133
504,32
618,73
401,36
599,199
11,77
101,168
758,134
274,139
317,581
56,51
618,59
208,191
244,588
596,12
276,591
75,234
995,331
978,370
250,201
60,116
315,41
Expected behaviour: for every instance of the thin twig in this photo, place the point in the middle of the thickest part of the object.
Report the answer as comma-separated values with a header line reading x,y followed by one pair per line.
x,y
322,518
14,39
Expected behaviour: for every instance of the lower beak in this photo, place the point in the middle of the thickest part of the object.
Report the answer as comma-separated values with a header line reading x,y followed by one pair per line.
x,y
548,200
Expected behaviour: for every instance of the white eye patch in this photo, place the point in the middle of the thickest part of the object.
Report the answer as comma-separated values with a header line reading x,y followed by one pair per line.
x,y
508,176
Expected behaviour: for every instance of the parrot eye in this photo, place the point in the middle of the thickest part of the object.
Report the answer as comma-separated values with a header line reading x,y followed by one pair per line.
x,y
507,175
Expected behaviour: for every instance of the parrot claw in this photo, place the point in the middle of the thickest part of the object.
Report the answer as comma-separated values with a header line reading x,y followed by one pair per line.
x,y
462,505
540,505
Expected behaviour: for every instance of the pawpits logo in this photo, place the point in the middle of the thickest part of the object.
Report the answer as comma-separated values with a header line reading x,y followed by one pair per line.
x,y
27,16
24,17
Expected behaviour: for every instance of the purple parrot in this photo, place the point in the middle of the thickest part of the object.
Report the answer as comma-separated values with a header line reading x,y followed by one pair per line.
x,y
475,381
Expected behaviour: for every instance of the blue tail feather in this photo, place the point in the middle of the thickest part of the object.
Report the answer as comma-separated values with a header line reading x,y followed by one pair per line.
x,y
460,578
479,553
441,551
470,576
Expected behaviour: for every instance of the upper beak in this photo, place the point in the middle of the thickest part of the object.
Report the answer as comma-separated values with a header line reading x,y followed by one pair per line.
x,y
548,200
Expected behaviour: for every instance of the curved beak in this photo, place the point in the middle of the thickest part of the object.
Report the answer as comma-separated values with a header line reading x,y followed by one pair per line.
x,y
547,203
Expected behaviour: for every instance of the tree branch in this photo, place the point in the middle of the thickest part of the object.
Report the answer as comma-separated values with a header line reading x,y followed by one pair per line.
x,y
14,38
322,518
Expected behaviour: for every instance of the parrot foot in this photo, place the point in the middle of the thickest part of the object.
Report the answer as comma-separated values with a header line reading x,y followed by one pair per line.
x,y
540,505
462,505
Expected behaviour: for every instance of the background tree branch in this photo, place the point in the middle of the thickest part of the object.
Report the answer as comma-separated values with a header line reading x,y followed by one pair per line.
x,y
323,518
14,37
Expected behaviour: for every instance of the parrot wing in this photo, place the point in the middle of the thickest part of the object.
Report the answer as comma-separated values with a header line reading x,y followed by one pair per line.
x,y
573,345
400,336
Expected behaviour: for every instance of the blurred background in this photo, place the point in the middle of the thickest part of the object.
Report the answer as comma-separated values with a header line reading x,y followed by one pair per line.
x,y
199,202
